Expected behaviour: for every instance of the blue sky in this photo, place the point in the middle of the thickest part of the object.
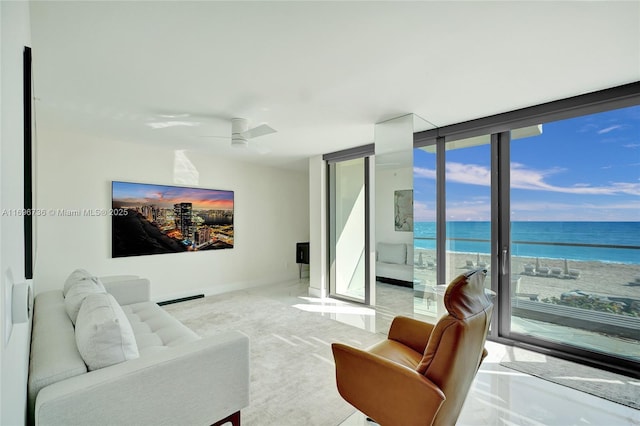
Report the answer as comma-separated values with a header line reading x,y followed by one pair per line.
x,y
135,194
582,169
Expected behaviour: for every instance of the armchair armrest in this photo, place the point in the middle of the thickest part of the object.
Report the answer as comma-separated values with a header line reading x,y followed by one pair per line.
x,y
411,332
128,290
389,393
195,383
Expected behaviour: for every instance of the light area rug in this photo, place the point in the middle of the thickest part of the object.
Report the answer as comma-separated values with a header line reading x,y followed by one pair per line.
x,y
292,370
613,387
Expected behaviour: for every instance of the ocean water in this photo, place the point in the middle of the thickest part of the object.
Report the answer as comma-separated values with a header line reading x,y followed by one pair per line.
x,y
617,242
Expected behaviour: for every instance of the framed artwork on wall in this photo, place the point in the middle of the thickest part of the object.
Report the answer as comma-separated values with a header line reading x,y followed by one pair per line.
x,y
28,161
403,210
156,219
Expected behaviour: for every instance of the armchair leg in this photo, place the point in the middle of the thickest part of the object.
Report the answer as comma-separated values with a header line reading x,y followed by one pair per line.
x,y
234,419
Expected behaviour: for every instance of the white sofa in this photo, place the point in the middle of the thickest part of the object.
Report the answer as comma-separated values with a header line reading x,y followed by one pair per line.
x,y
176,378
394,263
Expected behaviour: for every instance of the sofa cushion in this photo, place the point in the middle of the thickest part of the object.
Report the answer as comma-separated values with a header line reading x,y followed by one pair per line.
x,y
155,329
54,355
77,275
392,253
394,271
103,333
77,293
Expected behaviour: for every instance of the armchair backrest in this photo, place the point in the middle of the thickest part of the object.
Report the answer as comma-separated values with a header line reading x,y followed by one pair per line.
x,y
455,348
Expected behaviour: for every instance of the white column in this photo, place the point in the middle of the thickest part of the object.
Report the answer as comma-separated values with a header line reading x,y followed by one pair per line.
x,y
317,227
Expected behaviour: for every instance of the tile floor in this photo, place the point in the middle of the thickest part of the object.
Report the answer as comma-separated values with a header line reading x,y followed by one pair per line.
x,y
499,396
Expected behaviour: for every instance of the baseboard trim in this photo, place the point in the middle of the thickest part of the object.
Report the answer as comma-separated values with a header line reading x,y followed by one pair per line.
x,y
316,292
182,299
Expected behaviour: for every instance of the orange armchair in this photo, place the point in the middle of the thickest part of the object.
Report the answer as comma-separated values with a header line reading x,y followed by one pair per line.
x,y
422,373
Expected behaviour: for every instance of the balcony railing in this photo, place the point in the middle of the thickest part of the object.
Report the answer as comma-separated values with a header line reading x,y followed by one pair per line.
x,y
518,248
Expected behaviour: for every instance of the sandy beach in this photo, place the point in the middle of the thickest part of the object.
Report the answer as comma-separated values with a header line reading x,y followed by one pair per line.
x,y
594,277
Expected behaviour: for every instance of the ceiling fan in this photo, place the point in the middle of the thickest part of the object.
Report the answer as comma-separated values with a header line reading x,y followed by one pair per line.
x,y
241,133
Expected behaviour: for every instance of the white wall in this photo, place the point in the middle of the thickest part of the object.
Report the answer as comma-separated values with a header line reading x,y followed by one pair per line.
x,y
75,172
389,180
14,354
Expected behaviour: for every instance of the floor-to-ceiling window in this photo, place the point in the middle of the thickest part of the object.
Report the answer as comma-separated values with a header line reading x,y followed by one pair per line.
x,y
466,181
425,237
575,233
548,198
467,177
349,262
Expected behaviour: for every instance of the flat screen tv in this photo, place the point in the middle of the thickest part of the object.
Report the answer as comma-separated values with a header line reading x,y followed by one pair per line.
x,y
156,219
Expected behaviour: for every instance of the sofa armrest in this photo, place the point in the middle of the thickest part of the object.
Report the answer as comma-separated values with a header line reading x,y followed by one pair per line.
x,y
389,393
195,383
129,290
411,332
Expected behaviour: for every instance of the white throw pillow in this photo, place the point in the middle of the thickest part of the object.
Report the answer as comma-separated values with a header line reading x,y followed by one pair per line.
x,y
103,333
77,294
392,253
77,275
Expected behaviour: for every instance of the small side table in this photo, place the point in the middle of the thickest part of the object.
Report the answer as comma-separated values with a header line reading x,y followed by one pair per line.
x,y
302,256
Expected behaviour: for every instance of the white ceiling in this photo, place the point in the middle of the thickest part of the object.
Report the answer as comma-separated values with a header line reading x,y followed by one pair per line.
x,y
321,73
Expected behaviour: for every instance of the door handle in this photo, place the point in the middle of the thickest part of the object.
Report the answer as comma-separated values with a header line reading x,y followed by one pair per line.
x,y
504,261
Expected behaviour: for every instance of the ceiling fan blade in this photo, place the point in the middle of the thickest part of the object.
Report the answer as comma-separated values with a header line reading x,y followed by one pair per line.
x,y
261,130
172,123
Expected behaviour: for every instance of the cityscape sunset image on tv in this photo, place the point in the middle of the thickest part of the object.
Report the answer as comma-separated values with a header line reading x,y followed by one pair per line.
x,y
155,219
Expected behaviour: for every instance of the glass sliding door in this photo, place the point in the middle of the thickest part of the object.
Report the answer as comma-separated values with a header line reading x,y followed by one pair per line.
x,y
348,236
468,206
548,198
425,301
458,208
575,234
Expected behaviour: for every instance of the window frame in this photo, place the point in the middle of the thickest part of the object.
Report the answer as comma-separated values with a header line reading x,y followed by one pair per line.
x,y
499,127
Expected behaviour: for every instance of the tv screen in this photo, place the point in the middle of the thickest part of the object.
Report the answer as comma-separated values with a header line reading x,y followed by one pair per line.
x,y
156,219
